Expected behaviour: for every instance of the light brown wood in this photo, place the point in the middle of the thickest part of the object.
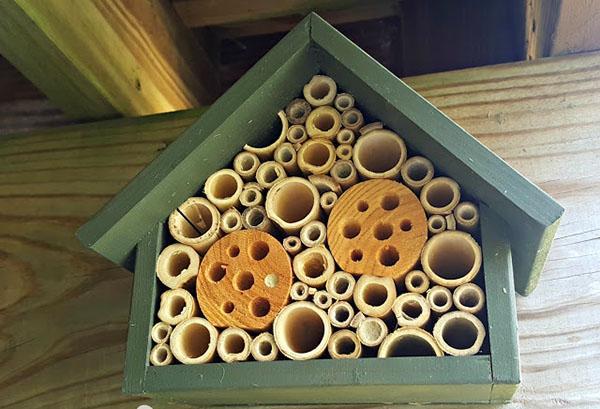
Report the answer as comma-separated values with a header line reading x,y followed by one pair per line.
x,y
244,280
377,227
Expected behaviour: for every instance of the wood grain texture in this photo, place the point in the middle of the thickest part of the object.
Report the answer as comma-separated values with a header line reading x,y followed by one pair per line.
x,y
64,310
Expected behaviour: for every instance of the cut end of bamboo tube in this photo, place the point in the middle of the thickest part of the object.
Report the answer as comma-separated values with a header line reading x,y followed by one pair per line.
x,y
292,203
251,196
341,285
371,331
373,126
440,196
322,299
409,342
266,152
297,134
316,157
379,154
231,221
177,266
341,314
299,291
246,164
467,216
286,156
344,173
323,123
469,298
416,281
436,224
233,345
352,119
344,152
344,344
343,102
313,233
292,245
256,218
314,266
196,223
459,333
263,347
439,299
176,305
269,173
160,333
327,201
297,111
411,310
194,341
161,355
374,296
346,137
223,189
416,172
320,90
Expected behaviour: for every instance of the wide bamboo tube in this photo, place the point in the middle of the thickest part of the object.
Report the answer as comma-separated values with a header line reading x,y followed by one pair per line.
x,y
194,341
256,218
340,314
467,216
416,281
440,196
469,298
269,173
177,266
176,305
374,296
343,102
196,223
291,203
292,245
344,173
233,345
297,134
345,137
313,233
223,188
297,111
266,153
286,156
299,291
344,344
161,355
371,331
411,310
344,152
320,90
341,285
379,154
302,331
322,299
160,332
353,119
439,299
231,220
373,126
436,223
416,172
314,266
451,258
316,157
459,333
251,195
323,123
263,347
246,164
409,342
327,201
325,183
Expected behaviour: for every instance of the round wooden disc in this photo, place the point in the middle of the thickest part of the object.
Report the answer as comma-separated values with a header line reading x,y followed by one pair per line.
x,y
244,280
377,227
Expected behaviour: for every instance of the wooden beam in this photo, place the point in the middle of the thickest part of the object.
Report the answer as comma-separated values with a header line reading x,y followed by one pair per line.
x,y
101,58
541,19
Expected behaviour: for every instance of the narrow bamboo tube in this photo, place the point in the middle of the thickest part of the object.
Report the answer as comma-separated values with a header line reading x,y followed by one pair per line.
x,y
325,183
223,188
374,296
469,298
251,196
439,299
341,285
320,90
200,226
161,355
302,331
344,172
263,347
313,233
231,220
322,299
292,245
297,111
285,154
416,172
312,290
177,266
345,136
269,173
416,281
160,332
314,266
411,310
316,157
451,258
176,306
233,345
323,123
379,154
246,164
340,314
373,126
353,119
327,201
371,331
450,222
436,223
467,216
343,102
459,333
358,318
440,196
266,153
194,341
299,291
291,203
256,218
409,342
344,152
297,134
344,344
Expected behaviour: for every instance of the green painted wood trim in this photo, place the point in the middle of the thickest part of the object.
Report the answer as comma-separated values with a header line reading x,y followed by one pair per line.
x,y
531,214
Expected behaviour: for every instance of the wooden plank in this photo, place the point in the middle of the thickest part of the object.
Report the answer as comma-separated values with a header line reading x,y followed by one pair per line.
x,y
540,26
101,58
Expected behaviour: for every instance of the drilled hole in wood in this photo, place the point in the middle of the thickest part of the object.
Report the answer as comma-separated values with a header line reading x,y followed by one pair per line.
x,y
388,256
406,225
351,230
216,272
390,202
460,333
177,263
362,206
259,250
259,307
356,255
244,280
228,307
383,231
374,294
233,251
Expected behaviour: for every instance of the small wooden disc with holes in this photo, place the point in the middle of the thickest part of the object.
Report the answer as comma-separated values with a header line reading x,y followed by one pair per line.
x,y
244,280
377,227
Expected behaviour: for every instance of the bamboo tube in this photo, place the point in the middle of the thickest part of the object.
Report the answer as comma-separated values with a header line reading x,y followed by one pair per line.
x,y
313,233
325,183
374,296
245,164
263,347
177,266
379,154
297,134
314,266
439,299
344,152
416,172
176,306
327,201
436,223
345,137
340,314
459,333
467,216
194,341
353,119
266,153
292,245
341,285
233,345
320,90
297,111
416,281
223,189
322,299
312,290
358,318
409,342
344,344
302,331
343,102
440,196
231,220
161,355
251,196
299,291
450,222
195,223
323,123
411,310
256,218
469,298
344,173
291,203
297,146
371,331
269,173
451,258
373,126
160,332
286,156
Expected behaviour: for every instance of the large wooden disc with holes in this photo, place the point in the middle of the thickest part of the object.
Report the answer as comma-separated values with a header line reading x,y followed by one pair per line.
x,y
244,280
377,227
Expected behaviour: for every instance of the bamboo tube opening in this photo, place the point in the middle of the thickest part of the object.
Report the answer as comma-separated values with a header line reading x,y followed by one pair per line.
x,y
175,306
299,291
313,233
440,196
160,333
341,314
344,172
411,310
416,281
344,152
467,216
436,224
345,136
373,126
223,188
297,134
439,299
343,102
379,154
409,342
374,296
231,221
459,333
324,122
285,155
266,152
195,223
297,111
194,341
353,119
251,196
177,266
256,218
322,299
292,245
161,355
341,285
314,266
469,297
416,172
371,331
327,201
316,157
234,345
292,202
269,173
263,347
245,164
320,90
344,344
